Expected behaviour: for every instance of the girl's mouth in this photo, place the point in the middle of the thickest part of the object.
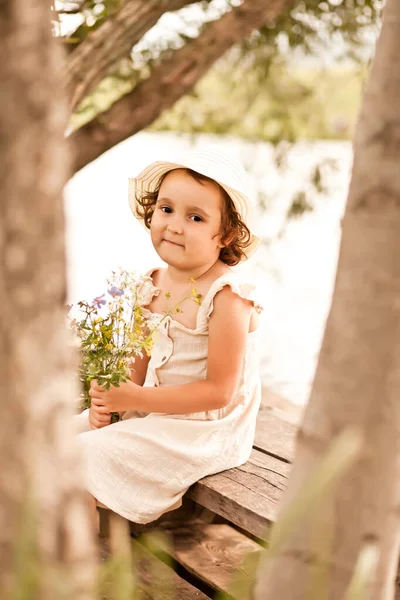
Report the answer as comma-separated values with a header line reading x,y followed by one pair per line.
x,y
173,243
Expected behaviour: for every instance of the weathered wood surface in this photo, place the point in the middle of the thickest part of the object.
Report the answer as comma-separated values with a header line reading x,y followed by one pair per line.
x,y
275,436
158,580
219,555
246,496
190,513
155,580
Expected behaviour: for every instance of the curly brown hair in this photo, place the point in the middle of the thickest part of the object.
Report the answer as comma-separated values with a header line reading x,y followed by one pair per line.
x,y
236,236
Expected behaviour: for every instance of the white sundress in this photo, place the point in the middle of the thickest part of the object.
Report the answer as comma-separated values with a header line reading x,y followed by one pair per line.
x,y
141,466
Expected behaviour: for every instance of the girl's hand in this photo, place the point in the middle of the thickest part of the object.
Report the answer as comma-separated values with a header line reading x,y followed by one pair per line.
x,y
116,399
98,415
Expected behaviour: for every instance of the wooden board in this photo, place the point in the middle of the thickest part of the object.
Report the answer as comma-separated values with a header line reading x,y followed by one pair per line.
x,y
275,436
190,513
248,495
219,555
154,579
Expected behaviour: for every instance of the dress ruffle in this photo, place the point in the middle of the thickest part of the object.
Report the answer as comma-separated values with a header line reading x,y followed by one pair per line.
x,y
244,289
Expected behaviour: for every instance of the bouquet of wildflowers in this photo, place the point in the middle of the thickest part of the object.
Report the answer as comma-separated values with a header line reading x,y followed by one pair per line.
x,y
113,330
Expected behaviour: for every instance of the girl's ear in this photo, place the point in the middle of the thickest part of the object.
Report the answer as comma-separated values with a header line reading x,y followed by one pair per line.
x,y
218,239
227,240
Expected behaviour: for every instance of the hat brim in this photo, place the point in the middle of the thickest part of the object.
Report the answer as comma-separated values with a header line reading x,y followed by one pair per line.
x,y
148,179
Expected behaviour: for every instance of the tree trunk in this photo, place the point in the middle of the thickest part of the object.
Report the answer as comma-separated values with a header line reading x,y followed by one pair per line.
x,y
45,524
358,376
173,77
98,54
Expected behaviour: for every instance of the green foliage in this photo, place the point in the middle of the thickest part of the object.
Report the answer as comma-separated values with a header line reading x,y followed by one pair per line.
x,y
26,571
313,25
310,25
92,14
292,103
117,577
34,576
256,91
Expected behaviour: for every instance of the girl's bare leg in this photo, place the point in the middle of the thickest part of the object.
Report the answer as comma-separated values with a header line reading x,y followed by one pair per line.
x,y
117,534
93,511
100,518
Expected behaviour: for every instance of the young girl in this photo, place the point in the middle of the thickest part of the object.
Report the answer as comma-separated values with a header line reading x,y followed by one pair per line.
x,y
190,410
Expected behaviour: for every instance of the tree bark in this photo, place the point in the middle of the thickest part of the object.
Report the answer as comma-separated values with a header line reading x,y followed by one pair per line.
x,y
174,76
98,54
45,524
358,375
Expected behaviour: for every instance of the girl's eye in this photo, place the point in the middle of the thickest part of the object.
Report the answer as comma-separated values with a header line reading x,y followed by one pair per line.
x,y
166,209
196,218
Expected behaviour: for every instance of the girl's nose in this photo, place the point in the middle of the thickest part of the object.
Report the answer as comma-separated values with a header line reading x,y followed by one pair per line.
x,y
175,227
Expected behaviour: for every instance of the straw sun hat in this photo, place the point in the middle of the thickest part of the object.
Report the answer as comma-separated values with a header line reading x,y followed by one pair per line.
x,y
228,173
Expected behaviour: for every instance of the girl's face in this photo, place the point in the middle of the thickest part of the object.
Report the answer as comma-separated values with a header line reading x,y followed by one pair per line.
x,y
186,224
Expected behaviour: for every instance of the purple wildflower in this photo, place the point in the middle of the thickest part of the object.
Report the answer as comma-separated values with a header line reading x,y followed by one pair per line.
x,y
99,301
114,291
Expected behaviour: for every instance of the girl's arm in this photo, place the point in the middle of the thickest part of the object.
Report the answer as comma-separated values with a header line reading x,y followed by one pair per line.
x,y
139,369
228,330
137,376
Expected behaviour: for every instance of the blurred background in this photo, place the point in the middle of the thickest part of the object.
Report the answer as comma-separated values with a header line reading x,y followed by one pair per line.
x,y
284,99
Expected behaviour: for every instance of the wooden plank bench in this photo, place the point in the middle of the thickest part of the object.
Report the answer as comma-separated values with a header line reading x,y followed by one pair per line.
x,y
211,544
248,495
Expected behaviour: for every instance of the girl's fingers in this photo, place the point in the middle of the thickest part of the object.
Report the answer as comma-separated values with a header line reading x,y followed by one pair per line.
x,y
98,422
98,391
103,419
99,405
99,416
96,401
94,386
102,414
